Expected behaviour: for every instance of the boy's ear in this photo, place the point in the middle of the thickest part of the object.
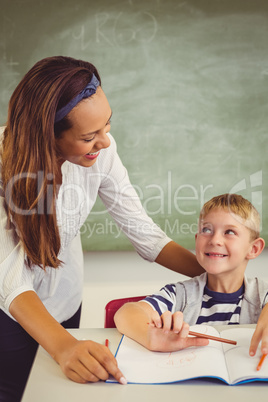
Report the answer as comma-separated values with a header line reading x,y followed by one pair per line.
x,y
256,248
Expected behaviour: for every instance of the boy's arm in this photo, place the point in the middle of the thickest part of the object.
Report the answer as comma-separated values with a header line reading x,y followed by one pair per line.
x,y
132,320
260,334
167,333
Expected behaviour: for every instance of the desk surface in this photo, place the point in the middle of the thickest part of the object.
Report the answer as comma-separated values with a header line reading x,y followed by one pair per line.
x,y
48,383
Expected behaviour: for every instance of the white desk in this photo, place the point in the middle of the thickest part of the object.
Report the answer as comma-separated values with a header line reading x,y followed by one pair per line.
x,y
48,383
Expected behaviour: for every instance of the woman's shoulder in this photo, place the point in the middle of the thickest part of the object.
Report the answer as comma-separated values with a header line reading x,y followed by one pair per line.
x,y
113,146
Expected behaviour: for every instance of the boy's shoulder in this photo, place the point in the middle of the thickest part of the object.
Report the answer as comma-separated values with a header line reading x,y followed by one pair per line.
x,y
193,287
195,281
255,288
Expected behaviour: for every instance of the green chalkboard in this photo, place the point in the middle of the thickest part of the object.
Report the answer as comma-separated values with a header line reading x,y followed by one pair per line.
x,y
188,85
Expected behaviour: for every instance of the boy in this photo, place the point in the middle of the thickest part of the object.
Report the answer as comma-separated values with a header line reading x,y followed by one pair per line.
x,y
228,237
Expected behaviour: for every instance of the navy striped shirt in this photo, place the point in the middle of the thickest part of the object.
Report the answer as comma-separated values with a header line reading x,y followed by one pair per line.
x,y
220,308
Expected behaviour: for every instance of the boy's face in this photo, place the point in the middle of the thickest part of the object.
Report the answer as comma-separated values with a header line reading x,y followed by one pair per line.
x,y
222,246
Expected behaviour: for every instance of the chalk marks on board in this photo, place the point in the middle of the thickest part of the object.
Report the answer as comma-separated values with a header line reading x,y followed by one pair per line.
x,y
81,36
118,29
142,28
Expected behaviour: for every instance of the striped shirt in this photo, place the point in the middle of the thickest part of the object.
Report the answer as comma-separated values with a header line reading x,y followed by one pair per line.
x,y
217,308
220,308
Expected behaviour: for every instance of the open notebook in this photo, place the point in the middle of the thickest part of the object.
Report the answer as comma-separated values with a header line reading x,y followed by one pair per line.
x,y
229,363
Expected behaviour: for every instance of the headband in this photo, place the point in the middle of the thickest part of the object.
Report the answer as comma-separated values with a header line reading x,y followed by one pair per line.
x,y
89,90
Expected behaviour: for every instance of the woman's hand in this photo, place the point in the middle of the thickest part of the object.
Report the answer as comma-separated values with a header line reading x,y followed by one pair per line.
x,y
88,361
81,361
169,333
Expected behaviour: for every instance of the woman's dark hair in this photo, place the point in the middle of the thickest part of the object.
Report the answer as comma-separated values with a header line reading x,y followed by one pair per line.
x,y
29,152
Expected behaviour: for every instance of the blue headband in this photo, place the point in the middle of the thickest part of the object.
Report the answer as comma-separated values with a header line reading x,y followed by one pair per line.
x,y
89,90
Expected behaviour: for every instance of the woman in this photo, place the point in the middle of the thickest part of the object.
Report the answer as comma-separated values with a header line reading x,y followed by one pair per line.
x,y
57,156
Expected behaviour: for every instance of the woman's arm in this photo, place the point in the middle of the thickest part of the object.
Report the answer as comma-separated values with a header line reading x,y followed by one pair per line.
x,y
179,259
81,361
124,205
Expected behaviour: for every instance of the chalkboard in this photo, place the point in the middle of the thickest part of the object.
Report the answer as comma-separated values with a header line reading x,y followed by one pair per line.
x,y
188,85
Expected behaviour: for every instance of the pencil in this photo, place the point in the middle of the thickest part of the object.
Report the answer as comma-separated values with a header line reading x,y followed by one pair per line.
x,y
107,342
212,338
261,361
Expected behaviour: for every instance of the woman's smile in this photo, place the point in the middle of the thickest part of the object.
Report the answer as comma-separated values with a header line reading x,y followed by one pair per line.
x,y
92,155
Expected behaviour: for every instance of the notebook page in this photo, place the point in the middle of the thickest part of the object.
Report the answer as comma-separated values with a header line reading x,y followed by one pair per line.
x,y
240,365
140,365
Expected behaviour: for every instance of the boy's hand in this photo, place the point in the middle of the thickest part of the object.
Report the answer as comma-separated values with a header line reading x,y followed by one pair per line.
x,y
169,333
260,334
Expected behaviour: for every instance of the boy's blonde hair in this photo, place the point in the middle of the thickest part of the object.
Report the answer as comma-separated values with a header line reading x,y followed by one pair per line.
x,y
237,205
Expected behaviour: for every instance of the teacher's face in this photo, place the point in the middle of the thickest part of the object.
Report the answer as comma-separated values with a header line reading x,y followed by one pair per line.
x,y
91,121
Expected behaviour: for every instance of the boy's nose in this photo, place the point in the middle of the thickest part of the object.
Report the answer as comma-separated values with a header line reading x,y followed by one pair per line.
x,y
216,239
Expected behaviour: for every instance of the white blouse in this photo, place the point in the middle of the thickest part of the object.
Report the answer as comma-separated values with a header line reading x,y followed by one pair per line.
x,y
61,289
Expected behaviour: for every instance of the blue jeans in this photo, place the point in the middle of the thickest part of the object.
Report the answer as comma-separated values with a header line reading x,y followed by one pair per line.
x,y
17,352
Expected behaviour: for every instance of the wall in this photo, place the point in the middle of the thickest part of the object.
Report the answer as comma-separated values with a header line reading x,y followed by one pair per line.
x,y
187,82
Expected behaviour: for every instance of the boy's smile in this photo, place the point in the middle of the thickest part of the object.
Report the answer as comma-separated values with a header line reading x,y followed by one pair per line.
x,y
216,255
